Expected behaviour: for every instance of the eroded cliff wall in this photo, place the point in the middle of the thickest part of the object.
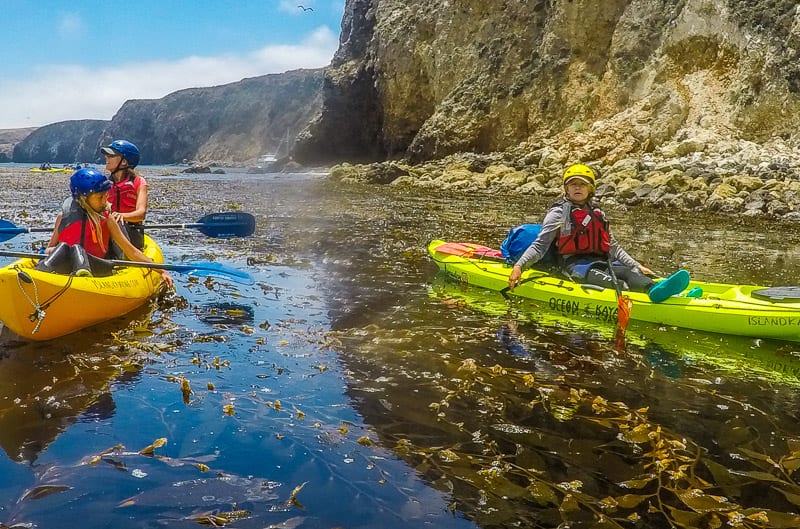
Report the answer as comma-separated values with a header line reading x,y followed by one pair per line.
x,y
63,142
422,79
227,124
236,122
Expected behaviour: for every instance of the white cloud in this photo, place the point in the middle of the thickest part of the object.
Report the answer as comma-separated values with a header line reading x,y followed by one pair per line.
x,y
70,25
65,92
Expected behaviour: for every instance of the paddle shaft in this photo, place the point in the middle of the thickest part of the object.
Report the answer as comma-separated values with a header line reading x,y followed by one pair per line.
x,y
614,277
115,262
211,268
221,225
25,229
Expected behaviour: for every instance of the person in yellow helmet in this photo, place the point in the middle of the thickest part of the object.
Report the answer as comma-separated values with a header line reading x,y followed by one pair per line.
x,y
576,230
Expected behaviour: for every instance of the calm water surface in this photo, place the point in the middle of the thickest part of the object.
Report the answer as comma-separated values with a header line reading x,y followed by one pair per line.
x,y
351,386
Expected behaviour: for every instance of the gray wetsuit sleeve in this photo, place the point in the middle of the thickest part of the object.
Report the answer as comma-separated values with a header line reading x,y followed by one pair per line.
x,y
550,229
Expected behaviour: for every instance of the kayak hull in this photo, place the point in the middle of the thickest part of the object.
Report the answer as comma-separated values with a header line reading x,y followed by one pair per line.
x,y
75,303
52,170
722,308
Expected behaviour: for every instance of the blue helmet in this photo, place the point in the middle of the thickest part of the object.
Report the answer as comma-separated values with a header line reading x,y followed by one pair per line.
x,y
126,149
88,181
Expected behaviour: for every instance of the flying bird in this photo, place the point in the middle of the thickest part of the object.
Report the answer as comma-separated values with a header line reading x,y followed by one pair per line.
x,y
304,8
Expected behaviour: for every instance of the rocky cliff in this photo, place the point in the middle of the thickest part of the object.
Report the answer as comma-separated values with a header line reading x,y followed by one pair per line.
x,y
63,142
233,123
8,139
422,79
228,124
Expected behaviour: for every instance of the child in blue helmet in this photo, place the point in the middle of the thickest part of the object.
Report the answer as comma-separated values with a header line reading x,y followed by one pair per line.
x,y
128,195
84,230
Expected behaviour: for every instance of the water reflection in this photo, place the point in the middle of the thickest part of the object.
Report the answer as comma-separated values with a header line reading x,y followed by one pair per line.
x,y
226,314
516,421
472,392
45,389
400,401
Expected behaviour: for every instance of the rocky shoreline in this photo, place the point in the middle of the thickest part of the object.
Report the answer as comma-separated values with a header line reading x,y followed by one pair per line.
x,y
698,173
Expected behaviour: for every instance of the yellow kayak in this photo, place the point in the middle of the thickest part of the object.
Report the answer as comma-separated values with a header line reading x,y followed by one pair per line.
x,y
41,305
52,170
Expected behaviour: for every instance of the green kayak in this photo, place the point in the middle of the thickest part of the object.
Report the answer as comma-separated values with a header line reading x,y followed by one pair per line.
x,y
743,310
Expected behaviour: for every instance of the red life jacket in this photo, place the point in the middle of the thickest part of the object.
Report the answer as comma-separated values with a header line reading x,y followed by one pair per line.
x,y
82,231
122,196
585,233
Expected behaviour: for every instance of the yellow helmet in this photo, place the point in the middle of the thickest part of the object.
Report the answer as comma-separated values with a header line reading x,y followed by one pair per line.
x,y
581,171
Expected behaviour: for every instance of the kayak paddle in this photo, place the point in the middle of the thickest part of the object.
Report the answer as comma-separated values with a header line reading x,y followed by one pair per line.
x,y
220,225
207,268
224,225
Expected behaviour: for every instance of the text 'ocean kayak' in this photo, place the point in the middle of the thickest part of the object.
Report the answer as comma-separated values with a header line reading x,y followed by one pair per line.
x,y
743,310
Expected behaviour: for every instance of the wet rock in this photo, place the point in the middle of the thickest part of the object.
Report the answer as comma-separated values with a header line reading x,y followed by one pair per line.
x,y
198,169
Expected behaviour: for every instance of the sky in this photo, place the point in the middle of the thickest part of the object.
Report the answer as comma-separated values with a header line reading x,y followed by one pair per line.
x,y
82,59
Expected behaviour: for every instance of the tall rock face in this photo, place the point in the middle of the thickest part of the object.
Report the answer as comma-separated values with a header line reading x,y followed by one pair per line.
x,y
228,124
422,79
63,142
350,124
233,123
8,139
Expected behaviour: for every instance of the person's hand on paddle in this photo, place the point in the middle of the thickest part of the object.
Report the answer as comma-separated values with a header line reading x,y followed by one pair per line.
x,y
514,278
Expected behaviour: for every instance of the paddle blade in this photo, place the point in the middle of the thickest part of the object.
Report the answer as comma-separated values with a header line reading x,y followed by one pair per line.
x,y
227,225
8,230
219,270
208,268
624,307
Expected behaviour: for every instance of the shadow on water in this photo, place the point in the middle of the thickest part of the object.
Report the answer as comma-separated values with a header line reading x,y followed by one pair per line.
x,y
517,414
47,386
352,387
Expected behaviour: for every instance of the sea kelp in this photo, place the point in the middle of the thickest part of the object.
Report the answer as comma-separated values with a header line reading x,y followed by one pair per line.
x,y
641,471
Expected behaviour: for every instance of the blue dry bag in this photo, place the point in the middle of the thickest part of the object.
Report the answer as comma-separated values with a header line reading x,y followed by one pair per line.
x,y
518,240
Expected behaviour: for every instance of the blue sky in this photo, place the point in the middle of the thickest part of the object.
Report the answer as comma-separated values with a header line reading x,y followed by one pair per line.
x,y
82,59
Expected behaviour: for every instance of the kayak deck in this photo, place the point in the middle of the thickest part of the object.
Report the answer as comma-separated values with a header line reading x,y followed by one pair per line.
x,y
67,304
722,308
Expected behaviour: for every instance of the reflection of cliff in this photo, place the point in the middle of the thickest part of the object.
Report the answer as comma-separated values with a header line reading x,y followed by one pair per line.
x,y
45,387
